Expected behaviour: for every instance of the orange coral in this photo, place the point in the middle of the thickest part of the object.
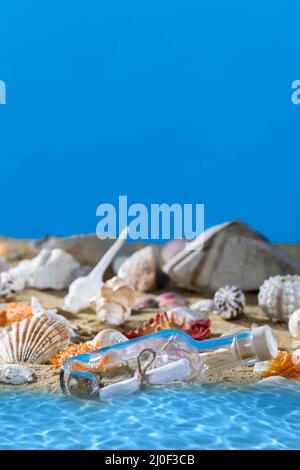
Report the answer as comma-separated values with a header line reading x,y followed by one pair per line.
x,y
73,351
197,329
15,312
283,365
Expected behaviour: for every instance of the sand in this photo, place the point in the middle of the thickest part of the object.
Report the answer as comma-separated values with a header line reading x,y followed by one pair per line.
x,y
47,377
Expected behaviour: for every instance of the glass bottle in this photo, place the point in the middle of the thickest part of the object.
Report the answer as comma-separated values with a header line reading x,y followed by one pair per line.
x,y
163,357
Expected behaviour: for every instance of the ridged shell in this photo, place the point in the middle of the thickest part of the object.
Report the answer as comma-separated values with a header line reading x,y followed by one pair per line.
x,y
114,301
279,297
229,302
34,340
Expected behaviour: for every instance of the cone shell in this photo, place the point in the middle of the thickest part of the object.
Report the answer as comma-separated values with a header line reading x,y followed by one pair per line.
x,y
34,340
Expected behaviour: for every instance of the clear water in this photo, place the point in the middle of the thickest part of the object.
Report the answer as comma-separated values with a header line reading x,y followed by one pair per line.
x,y
182,417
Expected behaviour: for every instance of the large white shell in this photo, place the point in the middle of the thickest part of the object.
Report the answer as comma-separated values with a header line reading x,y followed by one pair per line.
x,y
15,374
279,297
294,324
50,269
114,301
34,340
230,253
229,302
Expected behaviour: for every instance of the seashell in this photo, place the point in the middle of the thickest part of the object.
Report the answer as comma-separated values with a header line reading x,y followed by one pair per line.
x,y
172,248
146,301
108,337
51,269
197,329
82,271
186,313
203,305
15,374
279,297
230,253
171,299
229,302
141,270
294,324
84,289
37,309
86,249
33,340
10,285
114,301
4,265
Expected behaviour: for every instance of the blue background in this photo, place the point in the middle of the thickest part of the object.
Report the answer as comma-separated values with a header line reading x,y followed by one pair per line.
x,y
161,100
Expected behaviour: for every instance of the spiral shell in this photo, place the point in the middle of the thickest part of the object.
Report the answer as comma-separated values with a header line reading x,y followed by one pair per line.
x,y
114,301
229,302
34,340
279,297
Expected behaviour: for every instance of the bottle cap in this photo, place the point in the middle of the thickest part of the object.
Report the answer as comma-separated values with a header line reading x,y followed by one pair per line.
x,y
264,343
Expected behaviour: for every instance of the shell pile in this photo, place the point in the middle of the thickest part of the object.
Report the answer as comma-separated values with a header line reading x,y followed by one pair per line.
x,y
34,340
114,301
229,302
279,297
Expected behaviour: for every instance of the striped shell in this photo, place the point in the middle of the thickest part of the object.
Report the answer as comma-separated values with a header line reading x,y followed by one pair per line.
x,y
34,340
279,297
229,302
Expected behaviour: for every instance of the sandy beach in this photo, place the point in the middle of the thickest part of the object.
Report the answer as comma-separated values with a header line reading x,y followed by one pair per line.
x,y
47,377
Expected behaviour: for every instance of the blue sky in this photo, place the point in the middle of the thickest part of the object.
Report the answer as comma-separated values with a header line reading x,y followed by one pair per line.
x,y
162,101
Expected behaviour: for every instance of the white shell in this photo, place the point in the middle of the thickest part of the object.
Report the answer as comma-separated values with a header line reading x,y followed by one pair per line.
x,y
50,269
10,285
114,301
203,305
15,374
229,302
84,289
279,297
186,313
230,253
34,340
108,337
294,324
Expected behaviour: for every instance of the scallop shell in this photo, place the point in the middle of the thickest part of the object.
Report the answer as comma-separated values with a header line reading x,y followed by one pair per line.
x,y
34,340
279,297
229,302
114,301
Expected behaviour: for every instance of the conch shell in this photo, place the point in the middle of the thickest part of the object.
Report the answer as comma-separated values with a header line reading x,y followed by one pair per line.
x,y
197,329
34,340
229,302
114,301
84,289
